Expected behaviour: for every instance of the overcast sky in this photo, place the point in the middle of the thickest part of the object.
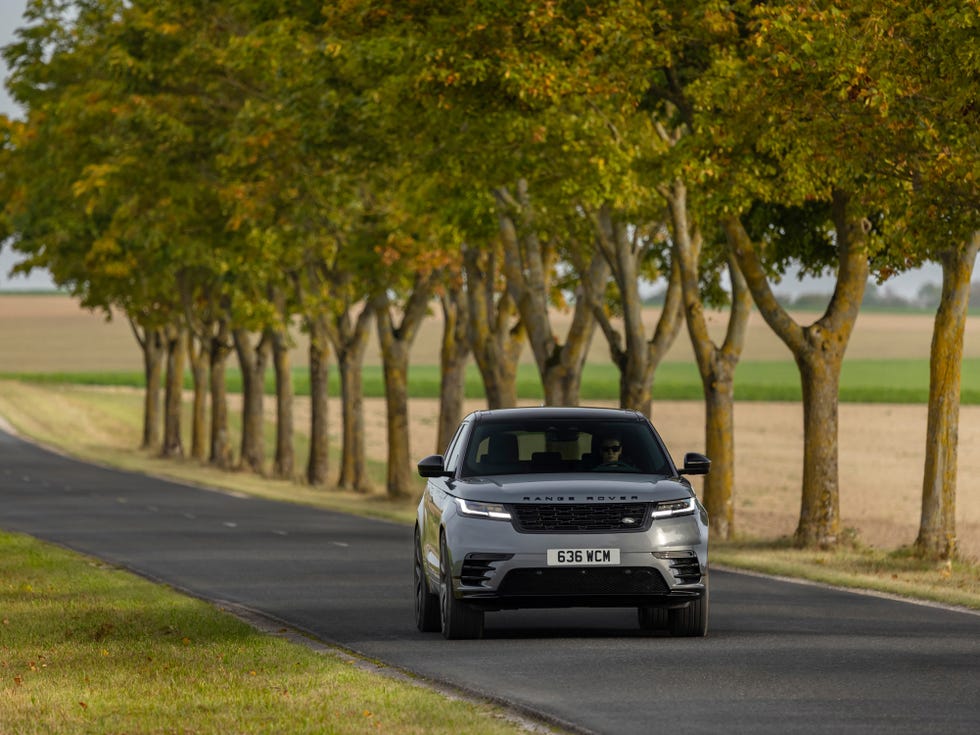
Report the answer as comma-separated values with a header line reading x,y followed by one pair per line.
x,y
11,18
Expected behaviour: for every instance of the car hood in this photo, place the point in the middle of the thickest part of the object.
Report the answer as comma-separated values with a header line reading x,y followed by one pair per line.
x,y
571,488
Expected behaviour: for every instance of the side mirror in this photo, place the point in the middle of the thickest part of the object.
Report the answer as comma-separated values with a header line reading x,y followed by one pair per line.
x,y
433,466
695,464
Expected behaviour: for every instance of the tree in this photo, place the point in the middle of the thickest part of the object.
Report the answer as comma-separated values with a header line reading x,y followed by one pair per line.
x,y
628,249
348,330
453,353
176,345
88,139
937,527
782,130
874,103
919,79
280,197
396,338
529,265
284,461
819,353
716,364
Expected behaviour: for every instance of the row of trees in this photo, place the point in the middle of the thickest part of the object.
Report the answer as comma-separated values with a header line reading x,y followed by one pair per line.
x,y
928,297
220,171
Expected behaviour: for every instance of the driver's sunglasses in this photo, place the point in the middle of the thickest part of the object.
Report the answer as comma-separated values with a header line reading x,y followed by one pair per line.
x,y
612,448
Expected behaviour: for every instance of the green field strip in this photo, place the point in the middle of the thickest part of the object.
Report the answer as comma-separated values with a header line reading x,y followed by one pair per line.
x,y
862,381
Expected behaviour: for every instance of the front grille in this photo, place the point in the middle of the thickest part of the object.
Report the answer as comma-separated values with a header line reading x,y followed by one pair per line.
x,y
582,582
477,568
570,517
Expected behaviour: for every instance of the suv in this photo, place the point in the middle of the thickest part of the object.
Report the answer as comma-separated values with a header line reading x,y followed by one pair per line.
x,y
559,507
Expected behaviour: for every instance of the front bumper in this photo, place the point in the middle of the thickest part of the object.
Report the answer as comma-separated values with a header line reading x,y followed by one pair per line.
x,y
495,567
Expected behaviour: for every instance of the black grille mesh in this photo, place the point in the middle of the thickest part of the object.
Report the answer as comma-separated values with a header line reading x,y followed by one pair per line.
x,y
579,582
563,517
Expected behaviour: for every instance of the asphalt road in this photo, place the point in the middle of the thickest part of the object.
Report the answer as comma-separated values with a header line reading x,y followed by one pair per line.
x,y
780,657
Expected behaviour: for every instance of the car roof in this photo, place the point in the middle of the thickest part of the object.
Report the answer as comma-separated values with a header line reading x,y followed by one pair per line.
x,y
554,413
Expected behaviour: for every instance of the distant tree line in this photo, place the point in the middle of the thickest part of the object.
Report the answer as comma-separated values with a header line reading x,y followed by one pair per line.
x,y
221,171
927,298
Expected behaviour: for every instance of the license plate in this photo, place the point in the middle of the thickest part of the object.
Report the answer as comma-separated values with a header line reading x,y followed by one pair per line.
x,y
582,557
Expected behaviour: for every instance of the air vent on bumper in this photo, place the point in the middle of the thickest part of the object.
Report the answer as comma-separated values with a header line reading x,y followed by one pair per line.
x,y
478,568
683,564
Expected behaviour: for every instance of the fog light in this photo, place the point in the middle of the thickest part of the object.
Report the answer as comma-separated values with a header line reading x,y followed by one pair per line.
x,y
673,554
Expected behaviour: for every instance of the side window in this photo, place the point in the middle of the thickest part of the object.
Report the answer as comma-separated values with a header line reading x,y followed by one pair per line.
x,y
455,448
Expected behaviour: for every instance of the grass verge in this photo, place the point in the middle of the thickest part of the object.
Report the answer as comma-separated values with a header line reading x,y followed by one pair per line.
x,y
88,648
104,421
858,567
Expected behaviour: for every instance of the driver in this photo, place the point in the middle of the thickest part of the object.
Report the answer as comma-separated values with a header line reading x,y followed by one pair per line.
x,y
611,453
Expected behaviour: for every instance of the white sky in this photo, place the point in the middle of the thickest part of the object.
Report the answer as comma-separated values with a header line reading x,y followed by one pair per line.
x,y
11,18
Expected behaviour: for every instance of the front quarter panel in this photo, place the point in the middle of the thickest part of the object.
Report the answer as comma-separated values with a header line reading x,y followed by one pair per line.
x,y
430,513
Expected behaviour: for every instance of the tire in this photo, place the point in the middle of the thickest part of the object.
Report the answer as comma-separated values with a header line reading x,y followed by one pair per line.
x,y
458,620
691,621
651,617
426,603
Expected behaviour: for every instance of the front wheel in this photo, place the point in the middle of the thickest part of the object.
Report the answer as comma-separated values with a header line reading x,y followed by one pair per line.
x,y
691,621
426,603
652,618
459,620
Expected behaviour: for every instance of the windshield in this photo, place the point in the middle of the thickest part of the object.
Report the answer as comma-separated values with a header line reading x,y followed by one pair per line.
x,y
530,446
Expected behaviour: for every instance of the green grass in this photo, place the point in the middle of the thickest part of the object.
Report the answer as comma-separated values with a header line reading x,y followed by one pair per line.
x,y
86,648
858,567
862,381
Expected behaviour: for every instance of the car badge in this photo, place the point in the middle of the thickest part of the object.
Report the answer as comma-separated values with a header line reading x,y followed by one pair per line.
x,y
629,521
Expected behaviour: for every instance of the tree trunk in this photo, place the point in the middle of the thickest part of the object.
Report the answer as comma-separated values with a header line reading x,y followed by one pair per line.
x,y
636,357
937,525
453,356
528,267
173,445
318,464
221,453
819,352
349,341
152,347
719,445
395,344
199,357
716,365
496,337
284,464
252,360
819,524
399,477
562,376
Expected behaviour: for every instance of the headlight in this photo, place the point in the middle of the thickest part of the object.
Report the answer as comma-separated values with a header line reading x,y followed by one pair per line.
x,y
674,508
476,509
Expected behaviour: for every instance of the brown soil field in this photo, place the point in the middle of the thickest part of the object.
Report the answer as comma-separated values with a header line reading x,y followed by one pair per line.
x,y
45,333
881,446
882,451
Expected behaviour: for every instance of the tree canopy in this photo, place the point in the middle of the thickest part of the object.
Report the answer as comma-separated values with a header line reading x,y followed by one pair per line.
x,y
238,167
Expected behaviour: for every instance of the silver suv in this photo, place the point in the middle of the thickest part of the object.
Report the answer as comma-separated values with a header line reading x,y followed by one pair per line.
x,y
559,507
